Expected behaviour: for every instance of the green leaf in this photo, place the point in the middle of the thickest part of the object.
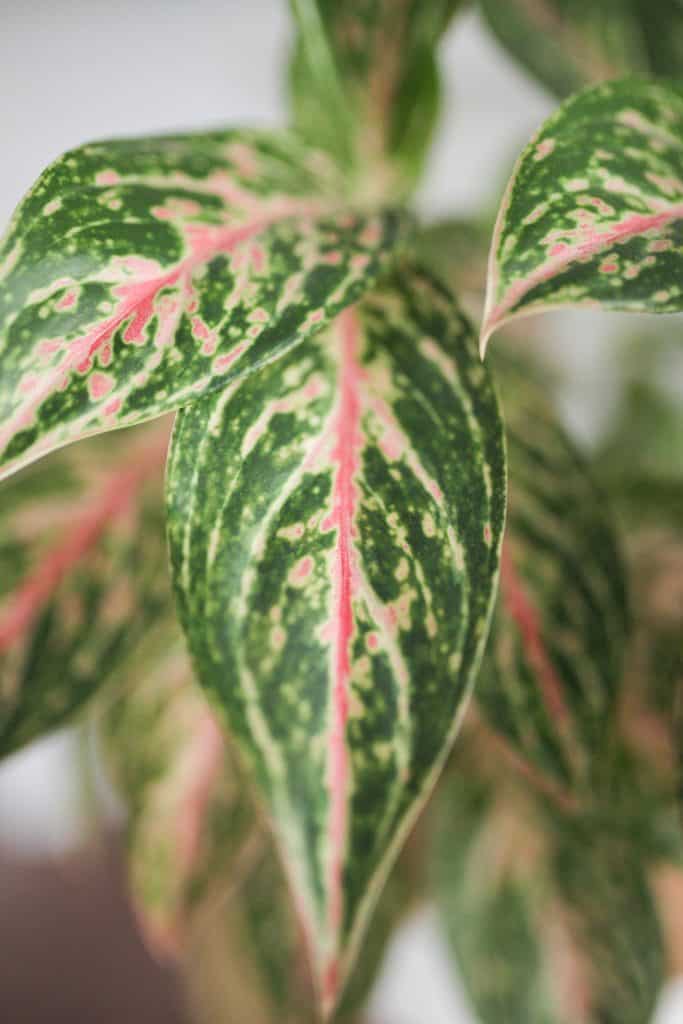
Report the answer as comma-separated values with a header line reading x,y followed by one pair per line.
x,y
335,575
570,43
203,876
83,578
550,920
593,215
139,274
550,683
375,66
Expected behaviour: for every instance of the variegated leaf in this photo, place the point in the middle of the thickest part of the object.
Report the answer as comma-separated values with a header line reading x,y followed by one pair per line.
x,y
138,274
83,578
335,523
550,680
204,880
570,43
593,214
374,63
550,920
189,823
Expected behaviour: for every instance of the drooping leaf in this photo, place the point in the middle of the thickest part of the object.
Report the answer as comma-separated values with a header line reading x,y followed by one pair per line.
x,y
550,683
83,578
550,919
593,214
138,274
204,879
375,65
335,523
570,43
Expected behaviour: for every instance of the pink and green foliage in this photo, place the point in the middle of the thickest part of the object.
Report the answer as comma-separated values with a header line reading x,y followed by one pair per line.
x,y
593,214
83,583
324,552
335,503
549,916
139,274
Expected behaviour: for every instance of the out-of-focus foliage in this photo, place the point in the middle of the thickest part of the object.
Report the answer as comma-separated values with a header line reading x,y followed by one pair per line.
x,y
570,43
83,578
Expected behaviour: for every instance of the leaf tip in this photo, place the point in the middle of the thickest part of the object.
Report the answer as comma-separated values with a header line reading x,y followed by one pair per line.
x,y
489,326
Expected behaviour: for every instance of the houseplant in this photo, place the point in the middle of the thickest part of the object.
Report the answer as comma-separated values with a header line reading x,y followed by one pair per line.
x,y
335,561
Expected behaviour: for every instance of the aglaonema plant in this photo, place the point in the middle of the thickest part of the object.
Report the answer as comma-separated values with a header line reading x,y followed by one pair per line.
x,y
335,497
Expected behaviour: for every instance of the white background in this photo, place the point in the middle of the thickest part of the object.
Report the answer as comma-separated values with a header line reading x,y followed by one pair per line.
x,y
73,71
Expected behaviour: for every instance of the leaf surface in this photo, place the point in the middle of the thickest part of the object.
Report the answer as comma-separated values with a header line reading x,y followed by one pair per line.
x,y
335,523
593,214
570,43
138,274
83,578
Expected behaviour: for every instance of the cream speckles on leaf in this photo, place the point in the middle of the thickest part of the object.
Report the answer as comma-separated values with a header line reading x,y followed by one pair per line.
x,y
139,274
593,215
335,577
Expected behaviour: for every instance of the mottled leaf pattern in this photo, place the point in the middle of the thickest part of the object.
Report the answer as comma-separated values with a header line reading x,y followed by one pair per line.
x,y
375,64
138,274
570,43
204,879
550,680
593,215
550,919
335,575
83,578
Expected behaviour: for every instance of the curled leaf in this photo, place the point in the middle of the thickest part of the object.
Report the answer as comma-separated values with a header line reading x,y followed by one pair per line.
x,y
593,214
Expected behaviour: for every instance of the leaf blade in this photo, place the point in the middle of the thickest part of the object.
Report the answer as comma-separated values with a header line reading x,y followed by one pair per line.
x,y
597,225
377,63
365,521
138,274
